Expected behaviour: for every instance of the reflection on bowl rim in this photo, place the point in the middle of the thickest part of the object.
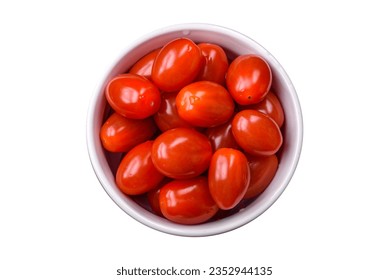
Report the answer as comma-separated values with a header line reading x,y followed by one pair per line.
x,y
205,33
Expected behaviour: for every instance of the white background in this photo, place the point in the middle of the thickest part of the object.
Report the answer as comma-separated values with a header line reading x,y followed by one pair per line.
x,y
58,223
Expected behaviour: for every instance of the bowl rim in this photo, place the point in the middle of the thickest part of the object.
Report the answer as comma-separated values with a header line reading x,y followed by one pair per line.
x,y
153,221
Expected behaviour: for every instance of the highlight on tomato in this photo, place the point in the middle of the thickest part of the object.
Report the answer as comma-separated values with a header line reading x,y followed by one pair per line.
x,y
248,79
228,177
187,201
181,153
204,104
177,64
133,96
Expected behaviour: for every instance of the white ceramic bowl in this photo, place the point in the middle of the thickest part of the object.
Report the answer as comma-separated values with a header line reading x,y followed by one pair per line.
x,y
234,43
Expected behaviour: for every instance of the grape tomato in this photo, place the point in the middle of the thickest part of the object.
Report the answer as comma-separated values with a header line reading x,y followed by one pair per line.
x,y
216,63
204,104
144,65
271,106
181,153
133,96
187,201
228,177
248,79
177,64
136,173
120,134
221,136
167,116
256,133
262,170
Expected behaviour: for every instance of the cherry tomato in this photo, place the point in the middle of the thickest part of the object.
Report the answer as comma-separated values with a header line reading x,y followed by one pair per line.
x,y
167,116
120,134
271,106
177,64
153,200
256,133
248,79
187,201
228,177
181,153
204,104
221,136
144,65
136,173
216,63
133,96
262,170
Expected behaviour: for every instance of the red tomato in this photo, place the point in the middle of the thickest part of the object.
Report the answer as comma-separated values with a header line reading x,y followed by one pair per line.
x,y
262,170
181,153
248,79
120,134
271,106
204,104
167,116
153,200
177,64
228,177
136,173
144,65
133,96
216,63
221,136
187,201
256,133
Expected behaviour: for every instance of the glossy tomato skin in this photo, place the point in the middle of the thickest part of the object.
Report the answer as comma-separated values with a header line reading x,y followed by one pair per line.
x,y
136,173
216,63
133,96
248,79
167,116
204,104
271,106
181,153
120,134
144,65
177,64
153,200
256,133
221,136
187,201
262,170
228,177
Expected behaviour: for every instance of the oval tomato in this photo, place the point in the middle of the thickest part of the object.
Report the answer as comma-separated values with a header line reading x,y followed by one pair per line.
x,y
248,79
256,133
167,116
133,96
181,153
262,171
221,136
120,134
153,200
271,106
187,201
177,64
228,177
204,104
136,173
216,63
144,65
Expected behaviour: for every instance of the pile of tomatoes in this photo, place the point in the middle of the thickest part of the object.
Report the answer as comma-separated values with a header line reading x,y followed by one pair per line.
x,y
199,131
